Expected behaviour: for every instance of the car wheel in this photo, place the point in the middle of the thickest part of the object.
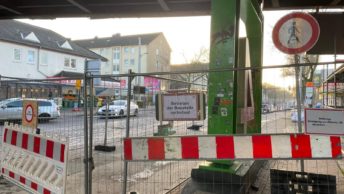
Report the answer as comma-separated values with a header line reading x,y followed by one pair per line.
x,y
136,112
43,118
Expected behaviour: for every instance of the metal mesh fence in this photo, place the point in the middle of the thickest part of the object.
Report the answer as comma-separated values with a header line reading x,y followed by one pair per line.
x,y
109,128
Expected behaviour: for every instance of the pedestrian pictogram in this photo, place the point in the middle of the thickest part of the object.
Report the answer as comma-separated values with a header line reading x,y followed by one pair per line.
x,y
296,33
29,114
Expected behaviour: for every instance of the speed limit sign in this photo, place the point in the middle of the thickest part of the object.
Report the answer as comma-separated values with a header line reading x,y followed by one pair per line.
x,y
29,113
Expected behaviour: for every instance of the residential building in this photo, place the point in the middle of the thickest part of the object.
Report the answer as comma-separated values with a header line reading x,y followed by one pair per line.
x,y
141,53
32,52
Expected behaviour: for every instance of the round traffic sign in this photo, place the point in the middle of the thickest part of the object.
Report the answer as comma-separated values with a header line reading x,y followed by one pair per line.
x,y
28,113
296,33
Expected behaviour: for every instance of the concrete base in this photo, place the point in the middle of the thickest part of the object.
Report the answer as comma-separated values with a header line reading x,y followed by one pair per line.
x,y
206,181
105,148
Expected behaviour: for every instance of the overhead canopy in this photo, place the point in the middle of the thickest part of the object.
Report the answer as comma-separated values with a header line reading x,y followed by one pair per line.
x,y
301,4
10,9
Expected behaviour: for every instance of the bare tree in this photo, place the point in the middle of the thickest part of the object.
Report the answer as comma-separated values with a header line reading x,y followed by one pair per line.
x,y
307,72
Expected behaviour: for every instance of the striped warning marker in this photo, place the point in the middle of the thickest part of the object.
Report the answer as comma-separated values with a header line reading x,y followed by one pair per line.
x,y
279,146
36,163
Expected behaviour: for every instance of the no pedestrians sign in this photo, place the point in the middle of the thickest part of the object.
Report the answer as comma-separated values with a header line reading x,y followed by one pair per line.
x,y
30,114
296,33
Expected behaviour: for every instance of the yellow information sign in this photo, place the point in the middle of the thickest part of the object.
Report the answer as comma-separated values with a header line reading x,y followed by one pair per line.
x,y
78,84
30,114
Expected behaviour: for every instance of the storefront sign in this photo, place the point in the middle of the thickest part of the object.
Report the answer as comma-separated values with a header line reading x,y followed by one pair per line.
x,y
324,121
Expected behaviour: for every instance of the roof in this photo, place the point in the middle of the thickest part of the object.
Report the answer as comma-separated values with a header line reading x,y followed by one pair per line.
x,y
21,33
118,40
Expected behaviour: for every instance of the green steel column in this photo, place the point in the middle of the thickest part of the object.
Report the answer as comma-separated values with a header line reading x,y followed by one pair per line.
x,y
221,89
252,16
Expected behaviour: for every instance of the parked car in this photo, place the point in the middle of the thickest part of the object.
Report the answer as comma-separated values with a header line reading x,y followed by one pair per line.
x,y
265,108
118,108
294,115
11,109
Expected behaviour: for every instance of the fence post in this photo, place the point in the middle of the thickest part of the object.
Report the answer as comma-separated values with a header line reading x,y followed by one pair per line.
x,y
124,189
298,101
90,154
85,131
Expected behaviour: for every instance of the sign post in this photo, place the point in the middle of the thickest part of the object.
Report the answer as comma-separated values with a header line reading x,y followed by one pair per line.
x,y
296,33
30,114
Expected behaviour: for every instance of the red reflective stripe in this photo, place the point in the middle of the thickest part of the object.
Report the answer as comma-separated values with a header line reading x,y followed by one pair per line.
x,y
50,149
11,174
22,180
25,140
34,186
128,151
262,146
14,138
300,146
336,146
156,149
224,147
62,153
3,171
189,147
5,135
36,144
46,191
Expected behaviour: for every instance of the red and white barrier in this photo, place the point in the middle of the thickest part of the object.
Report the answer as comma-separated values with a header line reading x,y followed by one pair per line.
x,y
279,146
35,162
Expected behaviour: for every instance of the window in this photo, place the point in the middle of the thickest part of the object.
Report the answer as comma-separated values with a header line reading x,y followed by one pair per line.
x,y
44,58
73,63
66,62
31,56
116,68
16,54
132,61
44,103
116,55
15,104
133,50
126,61
126,49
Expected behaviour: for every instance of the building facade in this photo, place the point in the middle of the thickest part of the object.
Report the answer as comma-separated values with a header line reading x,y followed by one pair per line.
x,y
30,52
142,53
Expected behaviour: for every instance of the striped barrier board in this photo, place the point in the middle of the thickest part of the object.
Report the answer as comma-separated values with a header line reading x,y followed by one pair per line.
x,y
226,147
34,162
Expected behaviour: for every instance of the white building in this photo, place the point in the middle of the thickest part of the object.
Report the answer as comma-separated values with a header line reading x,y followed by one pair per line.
x,y
27,51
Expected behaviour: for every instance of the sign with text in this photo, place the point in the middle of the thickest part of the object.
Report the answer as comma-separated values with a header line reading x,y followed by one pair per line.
x,y
30,113
324,121
185,107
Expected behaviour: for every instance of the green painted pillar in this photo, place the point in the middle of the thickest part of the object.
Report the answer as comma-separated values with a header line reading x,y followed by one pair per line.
x,y
252,16
221,86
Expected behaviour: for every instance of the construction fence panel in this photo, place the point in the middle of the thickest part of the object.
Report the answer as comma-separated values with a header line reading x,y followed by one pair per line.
x,y
60,116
